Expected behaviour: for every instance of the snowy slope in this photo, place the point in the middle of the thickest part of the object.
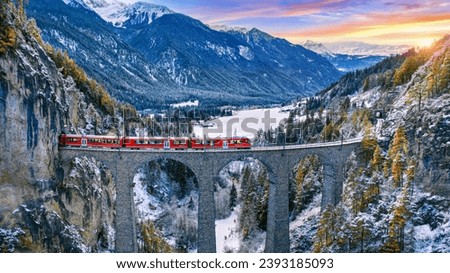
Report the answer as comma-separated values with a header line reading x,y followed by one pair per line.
x,y
121,14
318,48
244,123
224,28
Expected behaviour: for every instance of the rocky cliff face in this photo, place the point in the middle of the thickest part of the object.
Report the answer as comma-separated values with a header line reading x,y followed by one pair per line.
x,y
40,209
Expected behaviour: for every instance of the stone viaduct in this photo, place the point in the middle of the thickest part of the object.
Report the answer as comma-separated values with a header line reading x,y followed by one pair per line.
x,y
206,165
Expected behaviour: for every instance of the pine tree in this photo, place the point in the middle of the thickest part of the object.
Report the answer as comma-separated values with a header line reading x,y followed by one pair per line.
x,y
400,214
377,159
398,167
299,181
396,156
366,84
247,218
152,239
325,232
352,192
263,199
21,15
7,32
233,197
369,141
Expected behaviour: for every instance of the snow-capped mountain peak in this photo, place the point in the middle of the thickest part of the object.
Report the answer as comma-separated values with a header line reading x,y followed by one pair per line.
x,y
121,14
360,48
92,4
98,3
139,13
224,28
317,47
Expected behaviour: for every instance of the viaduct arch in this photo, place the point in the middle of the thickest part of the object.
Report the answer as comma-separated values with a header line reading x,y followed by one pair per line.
x,y
206,165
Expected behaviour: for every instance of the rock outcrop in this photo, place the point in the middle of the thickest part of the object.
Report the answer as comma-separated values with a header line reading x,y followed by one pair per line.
x,y
40,209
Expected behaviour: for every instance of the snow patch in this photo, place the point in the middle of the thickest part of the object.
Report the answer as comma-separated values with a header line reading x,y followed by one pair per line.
x,y
189,103
244,123
245,52
228,238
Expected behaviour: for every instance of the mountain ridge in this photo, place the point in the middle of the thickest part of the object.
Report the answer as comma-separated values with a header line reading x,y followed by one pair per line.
x,y
225,69
345,62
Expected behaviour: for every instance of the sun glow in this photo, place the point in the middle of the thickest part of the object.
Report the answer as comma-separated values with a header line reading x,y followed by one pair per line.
x,y
424,42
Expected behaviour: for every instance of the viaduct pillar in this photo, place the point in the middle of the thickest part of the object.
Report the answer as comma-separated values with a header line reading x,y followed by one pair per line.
x,y
206,215
126,238
277,236
333,172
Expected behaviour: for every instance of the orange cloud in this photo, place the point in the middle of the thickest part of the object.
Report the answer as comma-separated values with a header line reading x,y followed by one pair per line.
x,y
376,27
301,9
212,16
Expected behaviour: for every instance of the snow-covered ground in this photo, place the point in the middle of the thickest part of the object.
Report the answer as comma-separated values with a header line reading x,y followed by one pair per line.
x,y
366,99
244,123
147,206
303,228
227,235
185,104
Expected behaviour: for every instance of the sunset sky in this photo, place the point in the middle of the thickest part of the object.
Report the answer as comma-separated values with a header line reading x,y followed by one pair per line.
x,y
415,23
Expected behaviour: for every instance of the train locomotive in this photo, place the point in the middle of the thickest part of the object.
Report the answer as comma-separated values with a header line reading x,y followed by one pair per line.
x,y
148,143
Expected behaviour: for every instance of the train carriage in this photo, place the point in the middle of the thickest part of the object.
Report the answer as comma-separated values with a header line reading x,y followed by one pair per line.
x,y
104,141
221,143
72,140
137,143
90,141
238,143
178,143
143,142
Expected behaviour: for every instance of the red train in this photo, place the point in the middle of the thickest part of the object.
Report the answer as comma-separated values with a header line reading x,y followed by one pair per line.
x,y
176,143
